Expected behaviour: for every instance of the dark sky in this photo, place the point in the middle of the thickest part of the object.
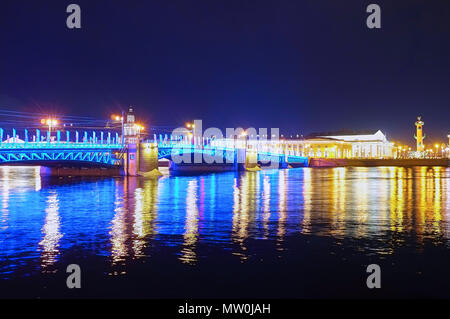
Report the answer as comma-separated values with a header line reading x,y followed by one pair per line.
x,y
302,66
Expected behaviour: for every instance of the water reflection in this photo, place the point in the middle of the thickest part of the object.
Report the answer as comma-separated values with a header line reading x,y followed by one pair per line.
x,y
283,186
134,223
245,194
49,244
383,199
118,232
266,205
5,183
188,254
124,219
145,215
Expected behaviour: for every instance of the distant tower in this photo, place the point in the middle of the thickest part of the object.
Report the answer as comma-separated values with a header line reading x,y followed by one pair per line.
x,y
419,135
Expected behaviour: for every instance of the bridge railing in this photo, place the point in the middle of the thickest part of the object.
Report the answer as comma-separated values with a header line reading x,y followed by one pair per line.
x,y
60,140
276,147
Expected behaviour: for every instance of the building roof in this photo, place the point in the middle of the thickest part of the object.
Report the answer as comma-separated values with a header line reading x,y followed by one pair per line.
x,y
343,132
324,140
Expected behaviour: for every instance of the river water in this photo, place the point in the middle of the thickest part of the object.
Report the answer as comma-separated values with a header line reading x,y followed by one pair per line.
x,y
304,232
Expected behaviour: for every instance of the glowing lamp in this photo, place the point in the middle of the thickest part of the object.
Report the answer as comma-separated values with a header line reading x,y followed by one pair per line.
x,y
117,118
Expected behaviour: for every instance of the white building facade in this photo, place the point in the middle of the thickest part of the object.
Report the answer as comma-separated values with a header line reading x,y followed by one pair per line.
x,y
373,145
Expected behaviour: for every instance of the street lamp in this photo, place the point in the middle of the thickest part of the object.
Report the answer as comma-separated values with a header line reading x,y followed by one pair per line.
x,y
50,123
190,126
190,130
139,128
119,118
244,135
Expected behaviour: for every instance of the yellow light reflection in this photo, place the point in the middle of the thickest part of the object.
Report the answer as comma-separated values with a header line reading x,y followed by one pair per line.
x,y
266,205
361,191
145,215
118,232
282,196
337,207
244,208
188,253
307,201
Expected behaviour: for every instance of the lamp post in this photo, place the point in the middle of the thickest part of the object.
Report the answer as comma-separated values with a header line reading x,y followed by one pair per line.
x,y
50,123
448,136
190,129
244,135
119,119
139,128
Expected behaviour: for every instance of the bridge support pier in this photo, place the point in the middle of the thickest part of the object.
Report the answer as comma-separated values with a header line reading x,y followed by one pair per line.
x,y
247,160
130,160
141,160
251,160
283,162
148,160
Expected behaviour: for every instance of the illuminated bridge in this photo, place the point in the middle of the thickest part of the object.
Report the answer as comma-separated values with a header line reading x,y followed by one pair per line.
x,y
107,153
95,149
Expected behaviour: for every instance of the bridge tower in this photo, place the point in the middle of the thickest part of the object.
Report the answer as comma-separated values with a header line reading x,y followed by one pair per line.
x,y
131,141
141,158
419,134
246,156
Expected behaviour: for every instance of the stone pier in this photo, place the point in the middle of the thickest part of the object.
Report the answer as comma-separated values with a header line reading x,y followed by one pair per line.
x,y
141,160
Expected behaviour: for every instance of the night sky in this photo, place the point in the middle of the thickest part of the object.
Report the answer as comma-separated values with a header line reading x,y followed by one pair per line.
x,y
302,66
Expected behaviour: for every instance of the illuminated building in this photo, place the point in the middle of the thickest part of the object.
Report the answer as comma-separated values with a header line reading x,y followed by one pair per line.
x,y
373,145
322,147
419,135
